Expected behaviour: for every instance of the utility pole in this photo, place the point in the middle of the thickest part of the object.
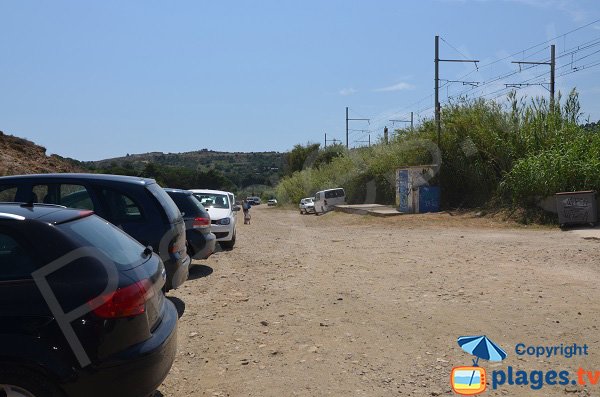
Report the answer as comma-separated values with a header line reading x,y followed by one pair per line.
x,y
552,69
437,89
347,119
346,127
552,65
437,61
325,139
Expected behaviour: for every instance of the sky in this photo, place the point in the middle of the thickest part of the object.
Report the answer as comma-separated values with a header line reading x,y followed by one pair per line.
x,y
99,79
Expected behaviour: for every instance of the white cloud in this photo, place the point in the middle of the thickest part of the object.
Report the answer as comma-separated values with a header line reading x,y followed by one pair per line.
x,y
347,91
396,87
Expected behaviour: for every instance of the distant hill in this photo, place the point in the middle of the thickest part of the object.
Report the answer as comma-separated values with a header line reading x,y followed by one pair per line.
x,y
203,168
20,156
242,169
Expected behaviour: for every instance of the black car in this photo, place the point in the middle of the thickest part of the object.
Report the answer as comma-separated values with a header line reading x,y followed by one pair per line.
x,y
139,206
200,241
82,311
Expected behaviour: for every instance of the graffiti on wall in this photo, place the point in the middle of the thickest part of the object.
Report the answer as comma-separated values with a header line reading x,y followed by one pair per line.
x,y
576,209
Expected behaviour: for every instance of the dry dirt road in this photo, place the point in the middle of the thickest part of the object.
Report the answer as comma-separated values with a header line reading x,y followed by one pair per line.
x,y
347,305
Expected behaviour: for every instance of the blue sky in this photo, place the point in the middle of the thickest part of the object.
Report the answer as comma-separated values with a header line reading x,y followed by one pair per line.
x,y
99,79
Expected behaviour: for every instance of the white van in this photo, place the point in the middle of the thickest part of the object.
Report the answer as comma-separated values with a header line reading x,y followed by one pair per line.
x,y
326,199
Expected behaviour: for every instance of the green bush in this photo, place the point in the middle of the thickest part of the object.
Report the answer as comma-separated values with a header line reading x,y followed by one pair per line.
x,y
567,166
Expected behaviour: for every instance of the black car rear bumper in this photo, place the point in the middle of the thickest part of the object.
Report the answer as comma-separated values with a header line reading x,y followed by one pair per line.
x,y
135,372
177,268
203,246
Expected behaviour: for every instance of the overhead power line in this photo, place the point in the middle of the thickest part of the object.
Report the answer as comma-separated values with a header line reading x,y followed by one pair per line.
x,y
498,85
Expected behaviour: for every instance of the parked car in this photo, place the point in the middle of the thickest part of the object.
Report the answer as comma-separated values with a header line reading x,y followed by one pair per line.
x,y
222,214
307,206
254,200
79,323
139,206
201,241
326,199
272,202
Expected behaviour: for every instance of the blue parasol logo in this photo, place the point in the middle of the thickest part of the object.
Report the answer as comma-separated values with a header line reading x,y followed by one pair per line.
x,y
472,380
481,347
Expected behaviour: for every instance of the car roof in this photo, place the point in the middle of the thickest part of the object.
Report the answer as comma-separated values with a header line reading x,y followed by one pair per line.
x,y
209,191
81,176
47,212
177,191
327,190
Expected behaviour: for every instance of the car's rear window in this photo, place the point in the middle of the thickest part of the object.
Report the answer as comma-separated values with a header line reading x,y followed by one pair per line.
x,y
334,193
8,193
213,200
173,213
93,231
189,205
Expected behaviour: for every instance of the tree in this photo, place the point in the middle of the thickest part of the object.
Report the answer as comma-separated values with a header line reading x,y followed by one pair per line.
x,y
150,171
326,155
300,157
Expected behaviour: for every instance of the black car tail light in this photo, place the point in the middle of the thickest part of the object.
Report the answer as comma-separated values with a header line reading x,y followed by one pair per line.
x,y
128,301
201,223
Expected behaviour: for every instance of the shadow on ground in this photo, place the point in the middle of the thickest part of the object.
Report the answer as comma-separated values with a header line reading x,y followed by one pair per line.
x,y
179,305
199,271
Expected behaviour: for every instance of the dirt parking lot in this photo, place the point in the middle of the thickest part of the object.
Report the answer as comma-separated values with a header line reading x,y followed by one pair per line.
x,y
346,305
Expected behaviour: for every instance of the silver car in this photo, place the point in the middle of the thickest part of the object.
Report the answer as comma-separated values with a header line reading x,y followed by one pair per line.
x,y
307,205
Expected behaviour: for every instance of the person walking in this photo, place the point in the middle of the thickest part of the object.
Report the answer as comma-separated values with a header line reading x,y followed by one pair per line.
x,y
246,208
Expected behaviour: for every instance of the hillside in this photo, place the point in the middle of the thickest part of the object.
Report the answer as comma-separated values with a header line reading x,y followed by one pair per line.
x,y
243,169
20,156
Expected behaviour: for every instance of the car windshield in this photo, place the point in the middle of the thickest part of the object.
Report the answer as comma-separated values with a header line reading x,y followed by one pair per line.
x,y
213,200
94,231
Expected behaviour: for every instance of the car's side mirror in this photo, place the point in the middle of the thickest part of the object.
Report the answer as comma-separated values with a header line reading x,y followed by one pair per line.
x,y
236,208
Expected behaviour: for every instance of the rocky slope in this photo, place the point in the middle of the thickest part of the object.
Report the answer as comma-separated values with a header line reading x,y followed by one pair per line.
x,y
20,156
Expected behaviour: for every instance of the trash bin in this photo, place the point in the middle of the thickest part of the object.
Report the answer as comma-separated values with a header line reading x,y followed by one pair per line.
x,y
575,208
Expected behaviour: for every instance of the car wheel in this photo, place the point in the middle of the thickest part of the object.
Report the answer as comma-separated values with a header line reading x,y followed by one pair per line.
x,y
228,244
19,382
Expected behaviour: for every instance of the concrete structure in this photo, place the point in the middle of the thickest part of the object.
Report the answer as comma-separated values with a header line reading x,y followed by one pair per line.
x,y
414,195
368,209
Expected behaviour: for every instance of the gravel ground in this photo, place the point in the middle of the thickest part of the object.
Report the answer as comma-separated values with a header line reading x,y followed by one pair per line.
x,y
347,305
